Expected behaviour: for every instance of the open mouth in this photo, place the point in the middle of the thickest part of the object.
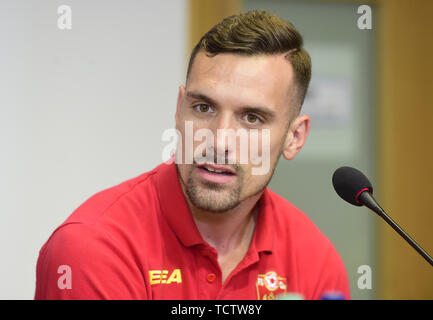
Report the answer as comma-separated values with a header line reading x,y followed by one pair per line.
x,y
217,171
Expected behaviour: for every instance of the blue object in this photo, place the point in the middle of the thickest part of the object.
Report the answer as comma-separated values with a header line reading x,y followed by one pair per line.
x,y
333,295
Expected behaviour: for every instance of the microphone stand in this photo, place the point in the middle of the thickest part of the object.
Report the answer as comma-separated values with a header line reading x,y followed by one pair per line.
x,y
366,198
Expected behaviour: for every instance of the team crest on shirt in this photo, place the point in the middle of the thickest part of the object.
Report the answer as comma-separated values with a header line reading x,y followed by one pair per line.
x,y
270,285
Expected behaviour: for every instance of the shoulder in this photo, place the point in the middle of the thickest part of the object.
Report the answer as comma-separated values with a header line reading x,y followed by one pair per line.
x,y
294,223
96,252
319,264
71,242
104,225
139,190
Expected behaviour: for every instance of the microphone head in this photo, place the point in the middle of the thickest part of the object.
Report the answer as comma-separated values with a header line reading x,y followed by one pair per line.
x,y
349,183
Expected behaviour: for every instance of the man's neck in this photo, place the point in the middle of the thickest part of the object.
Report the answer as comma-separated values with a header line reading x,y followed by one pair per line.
x,y
228,231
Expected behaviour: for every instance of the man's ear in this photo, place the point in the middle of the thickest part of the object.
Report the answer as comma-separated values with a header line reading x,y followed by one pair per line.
x,y
296,136
179,102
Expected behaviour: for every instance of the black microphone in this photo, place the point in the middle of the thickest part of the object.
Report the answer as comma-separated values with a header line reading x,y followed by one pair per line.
x,y
354,187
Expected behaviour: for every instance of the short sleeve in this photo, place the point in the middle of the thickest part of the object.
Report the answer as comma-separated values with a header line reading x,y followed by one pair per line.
x,y
81,262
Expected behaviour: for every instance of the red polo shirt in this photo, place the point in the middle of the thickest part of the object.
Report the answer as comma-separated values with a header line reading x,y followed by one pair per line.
x,y
138,240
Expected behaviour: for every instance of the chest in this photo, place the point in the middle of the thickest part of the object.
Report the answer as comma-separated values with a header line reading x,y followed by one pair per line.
x,y
200,273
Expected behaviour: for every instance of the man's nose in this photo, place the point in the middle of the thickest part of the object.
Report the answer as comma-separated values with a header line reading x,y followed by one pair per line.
x,y
224,124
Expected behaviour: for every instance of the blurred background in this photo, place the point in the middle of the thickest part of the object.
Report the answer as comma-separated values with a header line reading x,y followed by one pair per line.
x,y
83,109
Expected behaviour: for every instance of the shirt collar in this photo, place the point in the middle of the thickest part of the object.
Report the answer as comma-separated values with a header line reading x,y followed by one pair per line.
x,y
176,210
264,233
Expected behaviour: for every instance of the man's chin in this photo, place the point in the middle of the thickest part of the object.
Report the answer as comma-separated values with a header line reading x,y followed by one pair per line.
x,y
212,197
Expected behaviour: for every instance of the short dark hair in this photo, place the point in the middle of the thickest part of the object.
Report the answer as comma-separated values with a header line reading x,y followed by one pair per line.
x,y
255,33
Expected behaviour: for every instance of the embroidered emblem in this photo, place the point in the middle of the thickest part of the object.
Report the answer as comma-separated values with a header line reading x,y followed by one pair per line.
x,y
270,285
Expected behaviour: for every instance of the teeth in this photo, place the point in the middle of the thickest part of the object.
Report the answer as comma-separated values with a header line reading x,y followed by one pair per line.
x,y
214,170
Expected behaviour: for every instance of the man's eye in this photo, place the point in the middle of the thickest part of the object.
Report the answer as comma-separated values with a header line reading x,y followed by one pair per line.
x,y
203,108
252,118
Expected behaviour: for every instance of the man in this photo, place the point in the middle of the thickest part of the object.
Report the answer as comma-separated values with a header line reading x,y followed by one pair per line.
x,y
208,228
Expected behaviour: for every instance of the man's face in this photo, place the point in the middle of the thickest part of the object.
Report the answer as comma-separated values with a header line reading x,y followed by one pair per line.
x,y
234,92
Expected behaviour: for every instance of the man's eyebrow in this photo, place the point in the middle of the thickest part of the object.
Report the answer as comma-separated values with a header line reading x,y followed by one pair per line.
x,y
264,111
200,96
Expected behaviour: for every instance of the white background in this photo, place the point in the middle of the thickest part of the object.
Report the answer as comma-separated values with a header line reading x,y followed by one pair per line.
x,y
80,111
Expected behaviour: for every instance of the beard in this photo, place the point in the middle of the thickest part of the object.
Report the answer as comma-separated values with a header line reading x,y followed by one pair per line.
x,y
213,197
217,198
